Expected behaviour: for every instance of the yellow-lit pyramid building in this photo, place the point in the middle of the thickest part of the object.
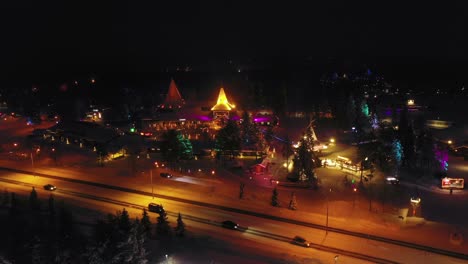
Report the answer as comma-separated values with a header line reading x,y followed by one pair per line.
x,y
222,107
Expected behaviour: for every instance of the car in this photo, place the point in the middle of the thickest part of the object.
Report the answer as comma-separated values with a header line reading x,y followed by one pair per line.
x,y
165,175
300,241
392,180
230,225
156,208
50,187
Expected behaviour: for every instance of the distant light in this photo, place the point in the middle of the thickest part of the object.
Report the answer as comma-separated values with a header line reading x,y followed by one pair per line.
x,y
93,80
410,102
450,142
332,140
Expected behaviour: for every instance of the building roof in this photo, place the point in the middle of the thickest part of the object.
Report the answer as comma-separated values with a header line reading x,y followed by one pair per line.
x,y
173,98
222,104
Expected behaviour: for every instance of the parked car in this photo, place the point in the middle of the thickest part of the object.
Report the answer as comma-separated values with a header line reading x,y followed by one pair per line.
x,y
165,175
156,208
230,225
300,241
50,187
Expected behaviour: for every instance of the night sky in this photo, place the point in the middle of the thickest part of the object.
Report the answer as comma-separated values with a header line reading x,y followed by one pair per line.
x,y
58,36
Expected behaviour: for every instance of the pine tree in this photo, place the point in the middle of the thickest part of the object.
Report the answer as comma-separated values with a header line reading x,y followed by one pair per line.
x,y
180,228
36,254
14,203
3,260
51,205
241,190
6,198
162,226
274,198
146,223
95,254
293,202
131,249
124,221
33,200
65,225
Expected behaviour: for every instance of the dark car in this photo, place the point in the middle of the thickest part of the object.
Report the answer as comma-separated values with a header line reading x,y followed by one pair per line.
x,y
297,240
156,208
165,175
230,225
50,187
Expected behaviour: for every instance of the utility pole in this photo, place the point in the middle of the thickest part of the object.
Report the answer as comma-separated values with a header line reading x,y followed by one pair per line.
x,y
152,189
32,164
326,230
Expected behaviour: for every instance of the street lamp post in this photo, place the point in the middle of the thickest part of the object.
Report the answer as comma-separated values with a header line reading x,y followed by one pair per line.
x,y
362,167
152,189
32,164
326,230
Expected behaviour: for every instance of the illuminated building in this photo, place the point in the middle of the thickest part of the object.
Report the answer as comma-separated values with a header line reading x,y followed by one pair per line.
x,y
222,107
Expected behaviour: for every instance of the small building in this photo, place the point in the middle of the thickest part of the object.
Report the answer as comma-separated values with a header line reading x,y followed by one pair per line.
x,y
222,107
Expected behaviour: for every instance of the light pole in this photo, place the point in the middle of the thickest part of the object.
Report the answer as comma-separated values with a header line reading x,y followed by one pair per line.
x,y
152,189
326,230
32,164
362,166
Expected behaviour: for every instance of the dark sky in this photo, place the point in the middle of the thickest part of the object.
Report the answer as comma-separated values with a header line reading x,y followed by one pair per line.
x,y
111,35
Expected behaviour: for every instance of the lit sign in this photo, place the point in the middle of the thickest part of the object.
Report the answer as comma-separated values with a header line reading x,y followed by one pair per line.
x,y
451,183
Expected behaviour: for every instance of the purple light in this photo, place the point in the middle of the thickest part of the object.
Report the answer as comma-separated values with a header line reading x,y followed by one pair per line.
x,y
262,119
204,118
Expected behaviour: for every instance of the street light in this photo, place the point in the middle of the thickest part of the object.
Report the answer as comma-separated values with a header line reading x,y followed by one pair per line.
x,y
415,201
362,166
32,164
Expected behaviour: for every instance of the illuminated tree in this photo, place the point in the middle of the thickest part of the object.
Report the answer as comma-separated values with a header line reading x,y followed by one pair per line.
x,y
251,136
364,108
374,121
397,151
287,150
175,146
229,139
304,163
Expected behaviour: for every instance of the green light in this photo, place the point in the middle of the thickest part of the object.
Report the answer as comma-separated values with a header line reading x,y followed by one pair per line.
x,y
352,181
132,129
